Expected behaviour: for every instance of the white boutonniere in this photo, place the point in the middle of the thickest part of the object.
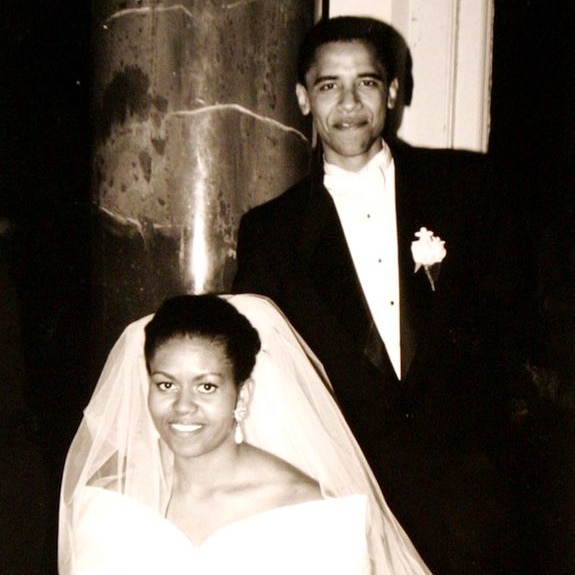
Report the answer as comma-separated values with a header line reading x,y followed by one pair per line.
x,y
428,252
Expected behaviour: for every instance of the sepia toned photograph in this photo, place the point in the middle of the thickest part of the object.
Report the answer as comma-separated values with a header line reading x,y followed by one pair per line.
x,y
287,287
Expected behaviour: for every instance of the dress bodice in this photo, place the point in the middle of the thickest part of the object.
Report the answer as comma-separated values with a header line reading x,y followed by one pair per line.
x,y
118,535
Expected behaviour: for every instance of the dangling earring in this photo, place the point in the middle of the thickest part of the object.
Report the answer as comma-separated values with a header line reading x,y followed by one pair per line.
x,y
240,413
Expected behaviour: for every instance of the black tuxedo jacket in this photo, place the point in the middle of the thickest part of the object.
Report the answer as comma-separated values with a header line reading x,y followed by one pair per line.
x,y
293,250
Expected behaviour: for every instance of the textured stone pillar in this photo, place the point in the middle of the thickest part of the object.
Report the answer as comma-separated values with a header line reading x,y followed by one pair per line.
x,y
195,122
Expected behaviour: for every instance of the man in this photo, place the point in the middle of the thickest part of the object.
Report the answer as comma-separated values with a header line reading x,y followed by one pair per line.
x,y
411,344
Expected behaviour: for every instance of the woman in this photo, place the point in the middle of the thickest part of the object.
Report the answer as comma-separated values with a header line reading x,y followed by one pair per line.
x,y
191,460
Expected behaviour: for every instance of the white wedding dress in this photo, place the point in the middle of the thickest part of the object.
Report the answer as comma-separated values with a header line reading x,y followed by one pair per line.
x,y
121,536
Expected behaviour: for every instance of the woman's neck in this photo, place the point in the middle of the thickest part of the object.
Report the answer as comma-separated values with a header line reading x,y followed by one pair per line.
x,y
208,472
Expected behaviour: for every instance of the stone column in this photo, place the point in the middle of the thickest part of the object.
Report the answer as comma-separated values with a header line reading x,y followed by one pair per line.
x,y
195,121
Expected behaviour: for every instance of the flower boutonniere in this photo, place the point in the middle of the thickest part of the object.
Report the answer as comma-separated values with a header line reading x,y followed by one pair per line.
x,y
428,252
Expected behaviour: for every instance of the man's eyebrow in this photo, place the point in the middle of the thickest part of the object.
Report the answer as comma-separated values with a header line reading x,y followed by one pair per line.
x,y
373,75
321,79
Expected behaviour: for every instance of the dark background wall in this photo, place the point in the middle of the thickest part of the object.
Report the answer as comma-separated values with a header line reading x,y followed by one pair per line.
x,y
45,192
533,143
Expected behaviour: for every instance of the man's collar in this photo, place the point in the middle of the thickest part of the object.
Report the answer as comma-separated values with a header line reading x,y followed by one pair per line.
x,y
381,161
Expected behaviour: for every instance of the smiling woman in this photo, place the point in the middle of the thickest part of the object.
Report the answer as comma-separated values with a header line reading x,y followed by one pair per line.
x,y
201,452
200,353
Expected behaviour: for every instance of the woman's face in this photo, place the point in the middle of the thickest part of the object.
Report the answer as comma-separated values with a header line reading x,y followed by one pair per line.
x,y
192,395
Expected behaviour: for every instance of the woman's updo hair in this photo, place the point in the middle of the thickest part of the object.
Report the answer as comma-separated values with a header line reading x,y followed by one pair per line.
x,y
210,317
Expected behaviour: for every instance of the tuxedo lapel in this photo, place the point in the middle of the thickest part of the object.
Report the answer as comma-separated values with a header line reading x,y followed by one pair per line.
x,y
416,295
328,260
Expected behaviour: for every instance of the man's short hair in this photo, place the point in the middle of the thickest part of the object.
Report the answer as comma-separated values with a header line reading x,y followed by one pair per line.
x,y
387,43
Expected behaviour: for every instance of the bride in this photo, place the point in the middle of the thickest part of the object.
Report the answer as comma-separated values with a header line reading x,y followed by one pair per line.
x,y
211,444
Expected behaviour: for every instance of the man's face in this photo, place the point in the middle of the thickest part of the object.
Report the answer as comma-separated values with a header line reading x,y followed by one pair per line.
x,y
348,94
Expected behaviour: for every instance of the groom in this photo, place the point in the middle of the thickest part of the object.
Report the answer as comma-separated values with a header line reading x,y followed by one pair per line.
x,y
387,259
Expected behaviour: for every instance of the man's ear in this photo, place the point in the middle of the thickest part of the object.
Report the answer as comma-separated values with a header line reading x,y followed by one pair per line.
x,y
392,93
302,99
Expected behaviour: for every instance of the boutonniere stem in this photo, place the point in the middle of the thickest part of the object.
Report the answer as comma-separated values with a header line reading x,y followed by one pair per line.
x,y
429,277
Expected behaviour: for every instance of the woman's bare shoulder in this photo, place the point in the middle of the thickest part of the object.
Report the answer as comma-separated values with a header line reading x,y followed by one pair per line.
x,y
280,479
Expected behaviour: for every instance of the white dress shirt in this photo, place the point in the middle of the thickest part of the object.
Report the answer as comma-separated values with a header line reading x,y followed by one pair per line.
x,y
365,203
